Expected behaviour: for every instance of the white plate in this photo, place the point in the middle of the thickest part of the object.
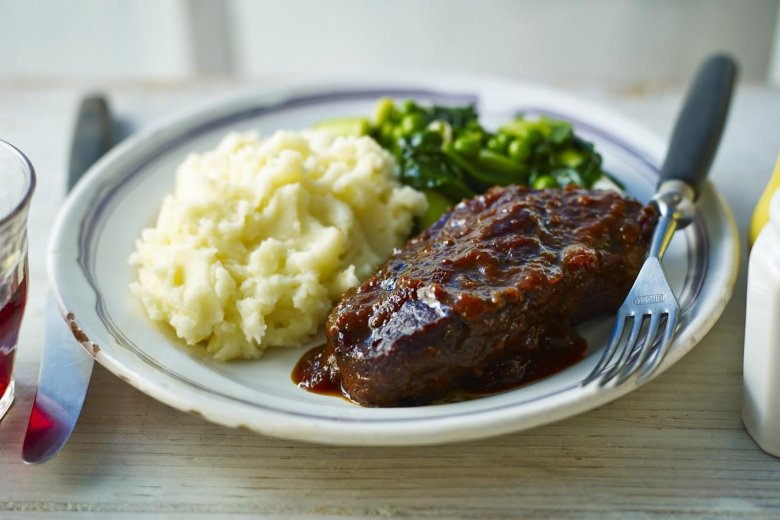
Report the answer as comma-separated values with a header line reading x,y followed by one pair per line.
x,y
96,230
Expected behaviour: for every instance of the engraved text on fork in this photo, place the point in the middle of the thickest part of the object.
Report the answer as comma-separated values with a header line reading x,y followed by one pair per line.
x,y
649,299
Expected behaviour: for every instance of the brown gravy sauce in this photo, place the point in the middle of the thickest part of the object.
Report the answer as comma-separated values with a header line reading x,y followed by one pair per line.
x,y
314,375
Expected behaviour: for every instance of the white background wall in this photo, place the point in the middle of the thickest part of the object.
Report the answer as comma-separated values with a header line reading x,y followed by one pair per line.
x,y
624,41
94,39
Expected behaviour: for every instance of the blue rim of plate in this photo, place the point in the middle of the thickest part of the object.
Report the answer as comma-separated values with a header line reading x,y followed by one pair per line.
x,y
107,194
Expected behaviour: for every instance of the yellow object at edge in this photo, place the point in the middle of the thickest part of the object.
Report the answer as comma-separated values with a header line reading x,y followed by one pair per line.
x,y
761,213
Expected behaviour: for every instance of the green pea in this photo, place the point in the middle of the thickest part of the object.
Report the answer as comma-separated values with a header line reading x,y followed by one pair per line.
x,y
386,132
534,136
384,111
467,145
570,157
518,128
544,182
442,128
437,125
412,123
409,106
519,151
498,143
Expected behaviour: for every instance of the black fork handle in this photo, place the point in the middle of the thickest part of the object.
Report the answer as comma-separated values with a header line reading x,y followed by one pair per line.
x,y
700,124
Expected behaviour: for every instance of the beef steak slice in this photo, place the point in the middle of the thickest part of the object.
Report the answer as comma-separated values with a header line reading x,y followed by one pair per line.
x,y
495,281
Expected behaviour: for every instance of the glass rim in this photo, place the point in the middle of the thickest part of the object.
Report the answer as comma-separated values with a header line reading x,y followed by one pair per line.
x,y
25,199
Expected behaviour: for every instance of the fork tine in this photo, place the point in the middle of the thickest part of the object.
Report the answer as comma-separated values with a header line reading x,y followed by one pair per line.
x,y
647,345
655,360
625,352
609,351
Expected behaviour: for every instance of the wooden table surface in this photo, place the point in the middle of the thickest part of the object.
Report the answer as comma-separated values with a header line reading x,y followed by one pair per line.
x,y
675,447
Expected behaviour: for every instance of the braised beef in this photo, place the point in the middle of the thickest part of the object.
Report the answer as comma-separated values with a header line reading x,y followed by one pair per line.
x,y
485,299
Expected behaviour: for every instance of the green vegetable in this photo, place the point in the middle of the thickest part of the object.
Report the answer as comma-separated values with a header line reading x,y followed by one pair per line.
x,y
560,134
570,157
346,126
545,181
412,123
498,143
468,145
445,152
438,204
519,150
409,106
385,111
492,161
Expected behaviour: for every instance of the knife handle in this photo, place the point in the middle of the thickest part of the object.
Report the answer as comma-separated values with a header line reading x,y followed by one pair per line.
x,y
93,136
700,124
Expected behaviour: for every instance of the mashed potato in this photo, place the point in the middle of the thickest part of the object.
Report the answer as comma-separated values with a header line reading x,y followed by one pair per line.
x,y
261,237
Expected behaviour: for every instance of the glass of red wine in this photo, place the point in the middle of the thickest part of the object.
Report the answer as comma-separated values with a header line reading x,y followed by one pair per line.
x,y
17,182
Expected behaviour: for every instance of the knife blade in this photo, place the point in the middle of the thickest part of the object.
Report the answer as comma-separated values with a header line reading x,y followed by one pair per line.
x,y
65,366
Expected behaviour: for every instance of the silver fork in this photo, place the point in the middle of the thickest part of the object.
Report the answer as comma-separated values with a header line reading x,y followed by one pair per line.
x,y
651,300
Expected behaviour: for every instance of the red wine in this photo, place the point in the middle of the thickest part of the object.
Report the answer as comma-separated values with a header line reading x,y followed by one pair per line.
x,y
10,321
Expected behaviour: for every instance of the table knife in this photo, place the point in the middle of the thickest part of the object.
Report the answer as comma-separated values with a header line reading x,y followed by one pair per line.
x,y
65,366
